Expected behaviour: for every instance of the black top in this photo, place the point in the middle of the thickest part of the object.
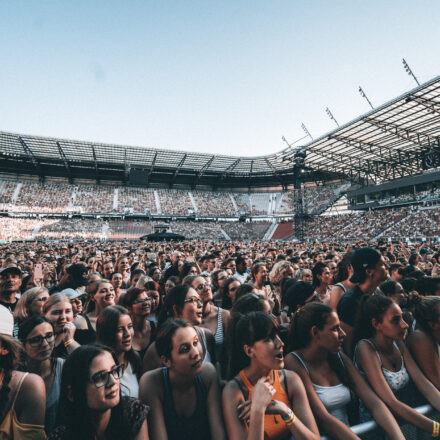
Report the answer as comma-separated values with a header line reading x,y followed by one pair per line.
x,y
349,304
123,425
9,306
195,427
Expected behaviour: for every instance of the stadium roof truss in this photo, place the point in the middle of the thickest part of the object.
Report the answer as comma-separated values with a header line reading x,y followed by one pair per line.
x,y
387,143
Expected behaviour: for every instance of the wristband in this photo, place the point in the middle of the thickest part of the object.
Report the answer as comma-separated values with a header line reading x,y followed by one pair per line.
x,y
289,418
67,343
435,429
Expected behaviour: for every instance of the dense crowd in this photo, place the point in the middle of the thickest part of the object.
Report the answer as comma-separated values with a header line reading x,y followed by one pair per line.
x,y
210,340
60,197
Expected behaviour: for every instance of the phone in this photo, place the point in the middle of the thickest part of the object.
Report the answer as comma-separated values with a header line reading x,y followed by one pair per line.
x,y
38,273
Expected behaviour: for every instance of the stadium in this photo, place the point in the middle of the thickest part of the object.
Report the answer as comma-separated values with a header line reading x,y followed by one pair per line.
x,y
374,178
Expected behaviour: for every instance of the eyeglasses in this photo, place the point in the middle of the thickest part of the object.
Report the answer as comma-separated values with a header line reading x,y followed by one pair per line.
x,y
233,289
102,378
197,301
42,299
36,341
202,287
141,301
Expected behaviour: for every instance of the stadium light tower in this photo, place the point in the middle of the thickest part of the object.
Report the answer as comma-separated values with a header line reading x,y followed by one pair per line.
x,y
409,71
362,93
306,131
298,159
330,115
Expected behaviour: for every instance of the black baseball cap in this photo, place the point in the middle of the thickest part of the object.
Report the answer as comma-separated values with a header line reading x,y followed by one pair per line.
x,y
78,272
361,260
11,269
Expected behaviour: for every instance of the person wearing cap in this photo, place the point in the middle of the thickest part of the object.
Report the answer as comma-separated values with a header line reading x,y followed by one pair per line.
x,y
74,278
10,283
369,270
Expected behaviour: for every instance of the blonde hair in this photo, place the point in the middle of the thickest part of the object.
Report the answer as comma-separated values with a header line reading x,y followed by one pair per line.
x,y
142,281
277,272
55,299
21,311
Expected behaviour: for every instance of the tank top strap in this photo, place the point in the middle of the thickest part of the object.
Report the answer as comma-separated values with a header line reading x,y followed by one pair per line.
x,y
341,286
301,360
200,388
166,382
89,324
18,389
245,380
375,349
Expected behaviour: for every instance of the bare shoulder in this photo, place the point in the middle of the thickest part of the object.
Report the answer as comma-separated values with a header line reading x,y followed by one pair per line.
x,y
151,378
418,337
208,373
293,379
232,391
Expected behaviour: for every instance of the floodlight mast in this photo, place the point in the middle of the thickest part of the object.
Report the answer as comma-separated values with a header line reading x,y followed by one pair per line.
x,y
299,156
409,71
362,93
330,115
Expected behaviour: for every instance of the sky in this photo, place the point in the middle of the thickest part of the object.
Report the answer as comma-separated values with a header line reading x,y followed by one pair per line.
x,y
229,77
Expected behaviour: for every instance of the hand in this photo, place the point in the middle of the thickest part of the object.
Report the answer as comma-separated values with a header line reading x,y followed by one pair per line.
x,y
69,330
262,394
277,407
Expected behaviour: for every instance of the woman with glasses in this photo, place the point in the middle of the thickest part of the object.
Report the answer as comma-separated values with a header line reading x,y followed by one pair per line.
x,y
183,302
58,310
21,394
184,394
38,338
152,289
91,406
263,399
138,304
214,318
115,329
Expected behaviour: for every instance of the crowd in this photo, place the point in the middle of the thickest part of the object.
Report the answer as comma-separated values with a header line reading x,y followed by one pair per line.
x,y
214,340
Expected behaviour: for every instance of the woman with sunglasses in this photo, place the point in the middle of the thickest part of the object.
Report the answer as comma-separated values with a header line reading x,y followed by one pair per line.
x,y
115,330
91,406
138,304
184,395
38,338
263,399
183,302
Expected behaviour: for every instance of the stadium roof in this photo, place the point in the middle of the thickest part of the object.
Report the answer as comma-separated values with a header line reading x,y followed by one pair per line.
x,y
389,142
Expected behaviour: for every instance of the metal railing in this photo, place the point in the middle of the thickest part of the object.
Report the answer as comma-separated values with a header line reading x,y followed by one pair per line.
x,y
410,432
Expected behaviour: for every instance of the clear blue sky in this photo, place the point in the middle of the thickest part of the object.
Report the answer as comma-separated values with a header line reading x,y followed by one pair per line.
x,y
211,76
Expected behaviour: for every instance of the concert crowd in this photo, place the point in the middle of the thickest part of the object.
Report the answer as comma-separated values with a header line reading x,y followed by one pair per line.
x,y
213,340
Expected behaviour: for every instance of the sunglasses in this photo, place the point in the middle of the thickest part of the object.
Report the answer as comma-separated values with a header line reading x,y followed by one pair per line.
x,y
102,378
196,301
36,341
42,299
202,287
141,301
